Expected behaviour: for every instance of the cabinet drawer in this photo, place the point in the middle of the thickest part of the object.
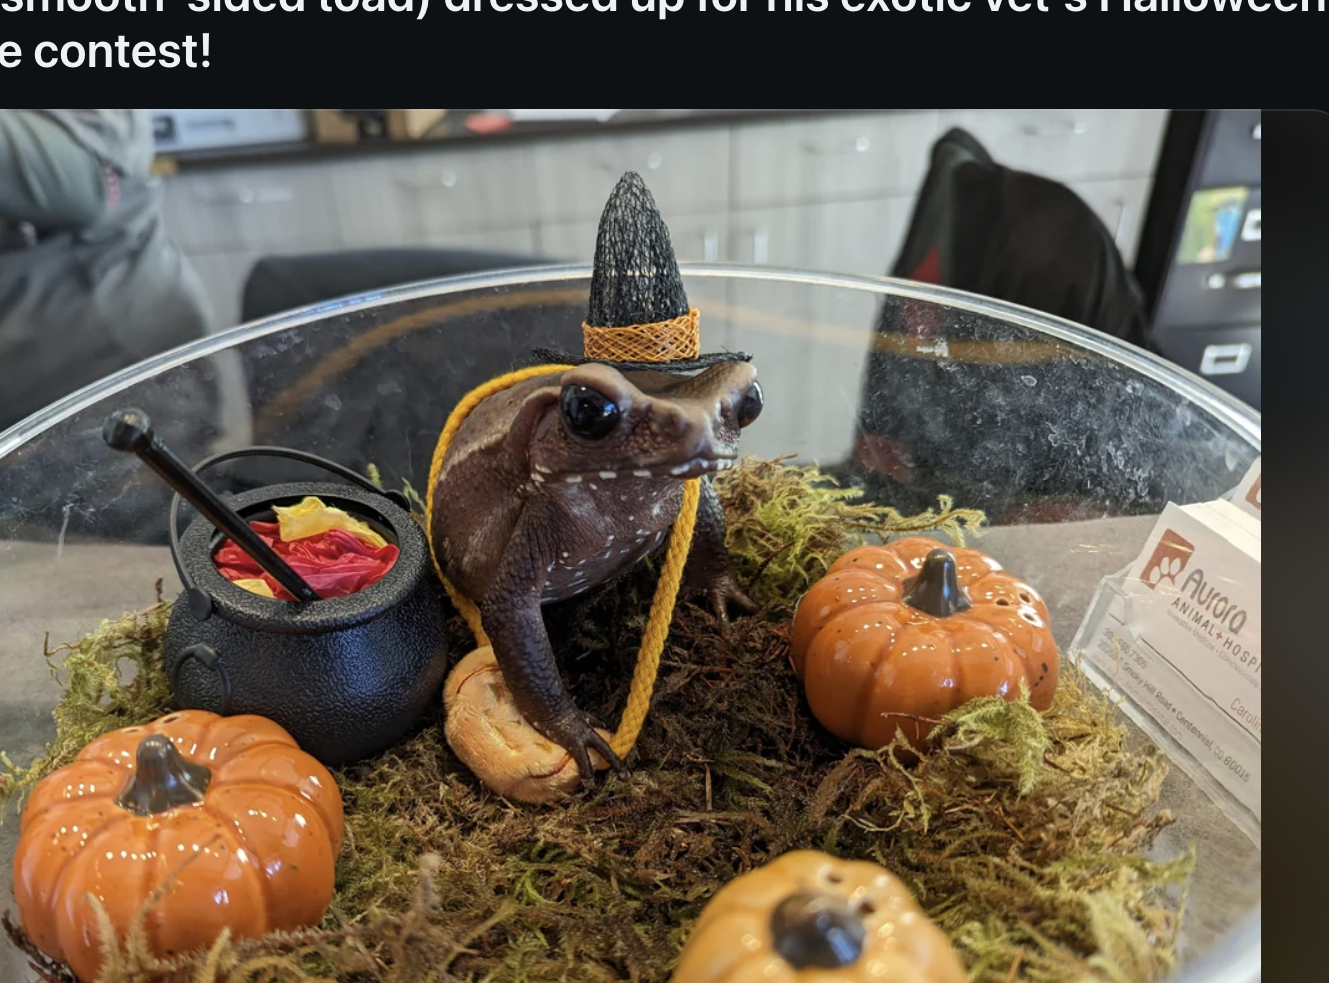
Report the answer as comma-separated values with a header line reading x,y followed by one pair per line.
x,y
860,237
686,172
1121,205
701,238
251,207
519,241
1067,144
834,157
419,195
1229,357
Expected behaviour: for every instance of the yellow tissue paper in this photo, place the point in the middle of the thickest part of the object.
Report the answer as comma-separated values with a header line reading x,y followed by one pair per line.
x,y
256,586
312,517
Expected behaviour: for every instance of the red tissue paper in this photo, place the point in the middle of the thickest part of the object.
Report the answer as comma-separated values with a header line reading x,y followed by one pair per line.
x,y
334,563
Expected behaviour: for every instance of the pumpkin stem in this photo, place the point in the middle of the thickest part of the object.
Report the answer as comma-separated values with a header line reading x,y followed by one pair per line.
x,y
936,590
814,931
162,779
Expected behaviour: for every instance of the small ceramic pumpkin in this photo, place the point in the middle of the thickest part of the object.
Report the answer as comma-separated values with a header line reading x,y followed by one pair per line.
x,y
808,917
912,628
491,737
242,825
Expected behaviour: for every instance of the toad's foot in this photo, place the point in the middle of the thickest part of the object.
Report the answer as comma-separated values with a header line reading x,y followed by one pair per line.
x,y
575,731
720,592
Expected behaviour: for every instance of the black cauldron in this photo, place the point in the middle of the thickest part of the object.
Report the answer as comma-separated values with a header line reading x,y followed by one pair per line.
x,y
346,676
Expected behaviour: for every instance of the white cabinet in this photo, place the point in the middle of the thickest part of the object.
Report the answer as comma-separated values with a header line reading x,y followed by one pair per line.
x,y
418,196
851,156
687,171
838,237
251,207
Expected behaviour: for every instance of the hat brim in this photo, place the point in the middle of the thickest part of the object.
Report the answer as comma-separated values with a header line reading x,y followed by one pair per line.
x,y
556,357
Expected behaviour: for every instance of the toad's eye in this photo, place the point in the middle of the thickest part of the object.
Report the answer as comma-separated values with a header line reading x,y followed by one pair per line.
x,y
750,408
588,413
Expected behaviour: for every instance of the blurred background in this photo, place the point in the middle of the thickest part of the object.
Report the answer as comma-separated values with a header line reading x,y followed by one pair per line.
x,y
125,233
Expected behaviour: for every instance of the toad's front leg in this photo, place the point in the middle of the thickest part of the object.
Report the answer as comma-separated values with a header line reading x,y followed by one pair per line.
x,y
708,572
510,611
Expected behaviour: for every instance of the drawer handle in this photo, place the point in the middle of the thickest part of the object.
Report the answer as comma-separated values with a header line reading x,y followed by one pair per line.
x,y
710,246
448,179
859,145
1067,129
1225,359
248,196
761,247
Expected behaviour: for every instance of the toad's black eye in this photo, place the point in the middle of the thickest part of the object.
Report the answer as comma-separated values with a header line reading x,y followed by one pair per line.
x,y
590,414
750,408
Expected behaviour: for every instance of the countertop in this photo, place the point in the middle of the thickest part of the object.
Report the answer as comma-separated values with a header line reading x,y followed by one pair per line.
x,y
452,131
67,592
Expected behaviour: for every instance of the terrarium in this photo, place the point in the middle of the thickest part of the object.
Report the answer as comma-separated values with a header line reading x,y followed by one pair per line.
x,y
1059,840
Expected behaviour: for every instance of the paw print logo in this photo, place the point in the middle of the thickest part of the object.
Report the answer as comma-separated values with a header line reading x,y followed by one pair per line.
x,y
1253,496
1170,558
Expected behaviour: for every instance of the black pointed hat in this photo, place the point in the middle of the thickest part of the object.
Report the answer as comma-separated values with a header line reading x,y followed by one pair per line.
x,y
639,316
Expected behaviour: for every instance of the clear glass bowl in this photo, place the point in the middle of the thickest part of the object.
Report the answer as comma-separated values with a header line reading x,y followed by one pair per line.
x,y
1071,442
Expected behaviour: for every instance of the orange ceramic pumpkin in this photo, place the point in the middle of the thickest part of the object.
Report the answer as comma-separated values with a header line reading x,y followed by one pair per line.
x,y
808,917
911,628
243,825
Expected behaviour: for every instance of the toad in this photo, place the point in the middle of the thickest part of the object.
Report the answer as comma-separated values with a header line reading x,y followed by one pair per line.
x,y
562,483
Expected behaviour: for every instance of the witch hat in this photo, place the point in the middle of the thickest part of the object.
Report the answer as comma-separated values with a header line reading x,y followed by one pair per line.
x,y
639,316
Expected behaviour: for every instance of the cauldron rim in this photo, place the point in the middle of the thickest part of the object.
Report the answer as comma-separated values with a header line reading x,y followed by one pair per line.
x,y
328,615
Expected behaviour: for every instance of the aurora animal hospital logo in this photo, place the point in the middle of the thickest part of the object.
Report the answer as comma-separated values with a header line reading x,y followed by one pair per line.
x,y
1170,558
1253,496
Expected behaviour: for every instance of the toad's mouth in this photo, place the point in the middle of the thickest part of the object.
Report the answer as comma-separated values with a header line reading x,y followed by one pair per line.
x,y
692,468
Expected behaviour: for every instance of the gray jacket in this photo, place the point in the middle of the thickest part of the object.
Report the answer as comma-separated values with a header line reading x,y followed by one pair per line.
x,y
89,280
90,283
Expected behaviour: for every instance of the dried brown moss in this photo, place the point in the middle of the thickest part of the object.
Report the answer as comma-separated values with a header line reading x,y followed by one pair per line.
x,y
1022,834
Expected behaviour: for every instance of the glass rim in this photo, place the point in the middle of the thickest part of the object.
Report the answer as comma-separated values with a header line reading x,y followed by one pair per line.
x,y
1240,417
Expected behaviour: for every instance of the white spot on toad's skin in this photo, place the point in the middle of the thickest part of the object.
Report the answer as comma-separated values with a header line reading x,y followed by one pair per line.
x,y
608,554
565,554
594,486
536,478
640,532
542,469
678,469
572,479
641,473
622,498
580,562
608,474
608,540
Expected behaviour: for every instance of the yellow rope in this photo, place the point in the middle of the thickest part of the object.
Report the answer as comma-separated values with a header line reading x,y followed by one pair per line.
x,y
666,591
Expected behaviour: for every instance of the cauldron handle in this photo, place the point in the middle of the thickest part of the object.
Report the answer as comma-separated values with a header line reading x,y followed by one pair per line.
x,y
211,659
395,497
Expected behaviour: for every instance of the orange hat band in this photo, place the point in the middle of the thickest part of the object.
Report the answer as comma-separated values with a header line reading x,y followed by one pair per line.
x,y
663,341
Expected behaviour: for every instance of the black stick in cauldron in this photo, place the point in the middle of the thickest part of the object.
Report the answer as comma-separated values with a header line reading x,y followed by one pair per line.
x,y
131,431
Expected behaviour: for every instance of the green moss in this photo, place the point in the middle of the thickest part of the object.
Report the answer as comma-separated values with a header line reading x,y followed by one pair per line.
x,y
787,524
1022,834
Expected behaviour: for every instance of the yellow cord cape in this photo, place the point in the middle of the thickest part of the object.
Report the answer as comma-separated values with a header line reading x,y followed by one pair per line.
x,y
666,591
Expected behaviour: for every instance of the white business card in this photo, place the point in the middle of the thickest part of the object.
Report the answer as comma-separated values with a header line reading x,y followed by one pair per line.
x,y
1179,634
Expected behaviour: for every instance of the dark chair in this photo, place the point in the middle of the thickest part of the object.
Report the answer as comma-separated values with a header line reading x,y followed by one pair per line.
x,y
1004,419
